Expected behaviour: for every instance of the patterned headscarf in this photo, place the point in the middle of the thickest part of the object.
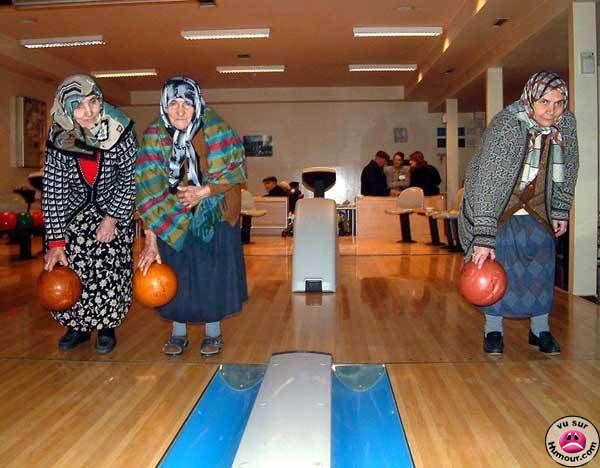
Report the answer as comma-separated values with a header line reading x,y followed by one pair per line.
x,y
538,85
67,134
187,89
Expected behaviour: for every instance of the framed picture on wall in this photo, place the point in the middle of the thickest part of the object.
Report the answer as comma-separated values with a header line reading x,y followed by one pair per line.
x,y
31,131
258,145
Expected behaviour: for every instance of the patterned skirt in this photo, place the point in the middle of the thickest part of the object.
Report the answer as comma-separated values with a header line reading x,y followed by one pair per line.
x,y
211,277
105,270
526,250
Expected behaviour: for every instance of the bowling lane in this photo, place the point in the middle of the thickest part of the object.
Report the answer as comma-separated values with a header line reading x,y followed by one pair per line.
x,y
490,414
93,415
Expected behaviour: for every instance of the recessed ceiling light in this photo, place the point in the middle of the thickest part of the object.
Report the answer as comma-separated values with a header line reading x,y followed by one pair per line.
x,y
252,69
381,67
405,8
226,34
62,42
124,73
397,31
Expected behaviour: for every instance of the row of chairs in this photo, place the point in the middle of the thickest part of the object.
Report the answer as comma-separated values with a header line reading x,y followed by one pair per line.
x,y
412,201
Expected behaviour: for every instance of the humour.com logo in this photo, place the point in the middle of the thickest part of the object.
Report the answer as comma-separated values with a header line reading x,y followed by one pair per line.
x,y
572,441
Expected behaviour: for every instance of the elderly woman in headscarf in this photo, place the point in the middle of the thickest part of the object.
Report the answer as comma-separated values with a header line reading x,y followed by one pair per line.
x,y
518,192
189,173
88,202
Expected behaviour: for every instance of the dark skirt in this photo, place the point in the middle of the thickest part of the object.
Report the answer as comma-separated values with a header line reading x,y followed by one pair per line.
x,y
526,250
105,270
211,276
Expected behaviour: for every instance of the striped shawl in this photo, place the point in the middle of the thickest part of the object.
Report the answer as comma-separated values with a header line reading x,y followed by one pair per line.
x,y
223,166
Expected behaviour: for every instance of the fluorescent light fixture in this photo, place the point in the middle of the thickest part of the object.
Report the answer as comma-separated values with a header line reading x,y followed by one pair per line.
x,y
397,31
253,69
62,42
124,73
226,34
390,67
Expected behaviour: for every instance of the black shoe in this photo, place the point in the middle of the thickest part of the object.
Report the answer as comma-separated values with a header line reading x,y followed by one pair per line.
x,y
493,343
72,339
546,342
106,340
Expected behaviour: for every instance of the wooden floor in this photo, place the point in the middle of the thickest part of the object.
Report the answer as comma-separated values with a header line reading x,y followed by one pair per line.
x,y
395,304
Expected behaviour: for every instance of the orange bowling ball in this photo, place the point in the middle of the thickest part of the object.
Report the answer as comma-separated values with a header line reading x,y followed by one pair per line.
x,y
59,289
157,288
483,287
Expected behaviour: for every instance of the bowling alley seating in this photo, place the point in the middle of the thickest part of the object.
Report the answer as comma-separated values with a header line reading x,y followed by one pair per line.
x,y
248,212
275,220
410,200
450,218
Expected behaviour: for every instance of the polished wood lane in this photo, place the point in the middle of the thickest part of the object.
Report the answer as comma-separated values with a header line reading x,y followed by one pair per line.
x,y
57,414
488,414
459,406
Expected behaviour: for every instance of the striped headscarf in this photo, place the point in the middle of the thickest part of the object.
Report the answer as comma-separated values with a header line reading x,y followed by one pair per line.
x,y
538,85
182,87
67,134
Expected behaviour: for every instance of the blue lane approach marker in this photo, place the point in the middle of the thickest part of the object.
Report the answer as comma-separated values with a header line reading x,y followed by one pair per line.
x,y
212,433
366,429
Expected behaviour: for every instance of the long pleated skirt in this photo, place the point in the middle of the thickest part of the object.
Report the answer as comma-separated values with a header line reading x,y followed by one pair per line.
x,y
526,250
105,270
211,277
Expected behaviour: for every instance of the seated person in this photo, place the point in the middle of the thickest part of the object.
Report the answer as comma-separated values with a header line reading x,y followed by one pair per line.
x,y
398,174
272,188
372,178
295,195
424,175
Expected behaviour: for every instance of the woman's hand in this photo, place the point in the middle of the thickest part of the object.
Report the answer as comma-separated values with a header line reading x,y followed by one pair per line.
x,y
149,253
560,227
480,254
191,195
53,256
106,230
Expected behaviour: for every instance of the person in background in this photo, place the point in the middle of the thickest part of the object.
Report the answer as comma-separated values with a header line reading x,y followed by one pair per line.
x,y
272,187
372,178
88,202
397,175
189,172
295,195
284,184
518,192
424,175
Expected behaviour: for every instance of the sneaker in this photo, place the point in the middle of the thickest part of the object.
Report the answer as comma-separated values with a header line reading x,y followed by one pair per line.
x,y
545,342
493,343
211,345
72,339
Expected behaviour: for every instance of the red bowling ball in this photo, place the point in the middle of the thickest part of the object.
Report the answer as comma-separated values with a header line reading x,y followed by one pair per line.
x,y
8,220
483,286
38,218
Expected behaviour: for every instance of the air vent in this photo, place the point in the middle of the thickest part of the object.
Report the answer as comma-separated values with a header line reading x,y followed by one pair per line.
x,y
243,56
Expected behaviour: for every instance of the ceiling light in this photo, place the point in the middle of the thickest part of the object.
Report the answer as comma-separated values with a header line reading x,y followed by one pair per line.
x,y
124,73
391,67
253,69
62,42
226,34
396,31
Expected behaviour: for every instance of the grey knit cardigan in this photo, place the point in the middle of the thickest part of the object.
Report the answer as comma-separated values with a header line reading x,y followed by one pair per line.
x,y
494,171
66,192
